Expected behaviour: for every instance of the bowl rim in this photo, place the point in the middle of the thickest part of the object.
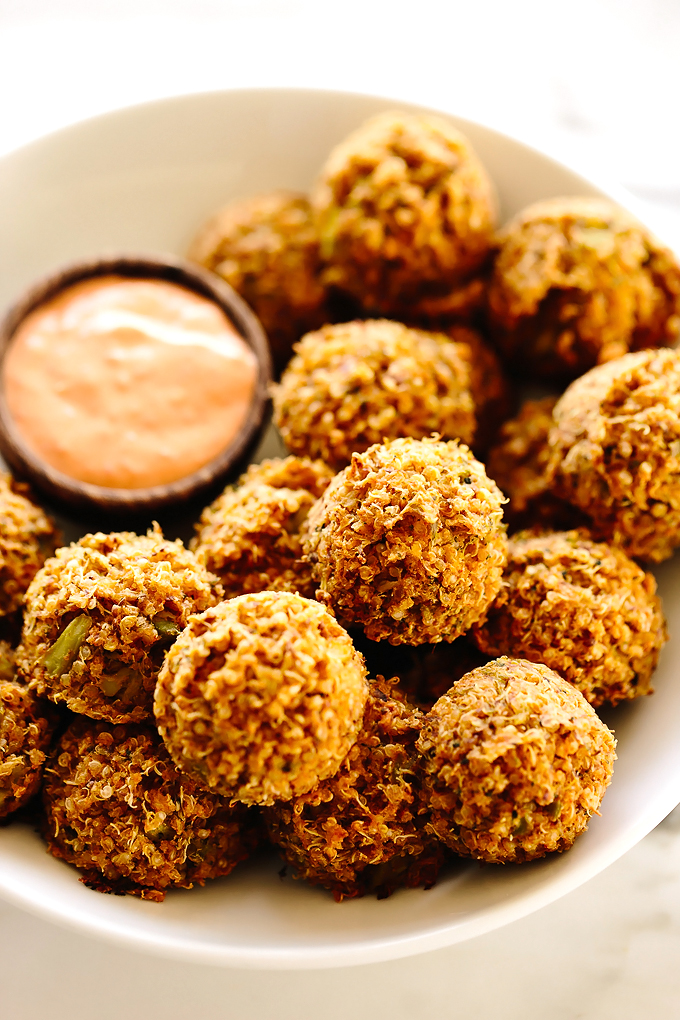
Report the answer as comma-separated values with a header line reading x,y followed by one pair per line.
x,y
79,495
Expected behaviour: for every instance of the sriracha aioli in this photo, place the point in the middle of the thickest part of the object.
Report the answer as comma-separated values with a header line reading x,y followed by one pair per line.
x,y
128,383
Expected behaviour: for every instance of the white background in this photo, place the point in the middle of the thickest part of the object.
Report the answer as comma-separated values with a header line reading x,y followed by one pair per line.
x,y
595,83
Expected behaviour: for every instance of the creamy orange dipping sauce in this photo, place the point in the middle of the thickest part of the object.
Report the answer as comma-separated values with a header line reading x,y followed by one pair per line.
x,y
128,383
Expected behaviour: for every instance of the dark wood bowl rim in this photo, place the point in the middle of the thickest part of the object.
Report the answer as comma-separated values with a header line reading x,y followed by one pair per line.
x,y
84,495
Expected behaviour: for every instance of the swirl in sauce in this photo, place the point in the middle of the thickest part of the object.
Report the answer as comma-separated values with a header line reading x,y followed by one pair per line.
x,y
128,383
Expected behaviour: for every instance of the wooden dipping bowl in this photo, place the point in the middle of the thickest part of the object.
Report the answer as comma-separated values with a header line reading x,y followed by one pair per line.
x,y
136,503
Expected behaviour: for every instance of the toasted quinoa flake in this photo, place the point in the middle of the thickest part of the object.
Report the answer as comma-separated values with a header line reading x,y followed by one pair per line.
x,y
27,537
357,383
405,211
583,608
250,535
99,617
615,449
577,282
118,809
262,697
407,542
515,762
363,830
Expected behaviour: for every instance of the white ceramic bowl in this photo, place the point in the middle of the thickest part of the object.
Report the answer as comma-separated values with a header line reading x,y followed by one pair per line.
x,y
143,179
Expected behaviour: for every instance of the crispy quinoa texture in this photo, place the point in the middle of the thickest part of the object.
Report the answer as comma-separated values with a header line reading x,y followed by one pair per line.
x,y
262,697
355,384
515,763
363,830
118,809
577,282
250,535
26,727
520,463
267,248
99,618
583,608
491,393
27,538
407,542
405,211
615,446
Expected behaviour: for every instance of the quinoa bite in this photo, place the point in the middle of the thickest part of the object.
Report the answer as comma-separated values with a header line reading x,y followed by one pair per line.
x,y
118,809
99,618
515,762
261,697
577,282
615,451
26,727
27,537
267,249
351,385
405,211
250,535
407,542
583,608
363,830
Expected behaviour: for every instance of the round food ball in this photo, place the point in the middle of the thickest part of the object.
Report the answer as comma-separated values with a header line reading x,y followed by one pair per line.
x,y
577,282
250,535
615,447
262,697
99,618
267,249
363,830
26,727
27,538
405,211
515,763
583,608
407,542
355,384
520,463
119,810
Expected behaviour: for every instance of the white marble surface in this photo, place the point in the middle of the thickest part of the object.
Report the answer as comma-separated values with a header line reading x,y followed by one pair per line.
x,y
596,83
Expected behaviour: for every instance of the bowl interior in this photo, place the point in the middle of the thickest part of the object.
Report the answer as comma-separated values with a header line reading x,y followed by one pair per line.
x,y
145,178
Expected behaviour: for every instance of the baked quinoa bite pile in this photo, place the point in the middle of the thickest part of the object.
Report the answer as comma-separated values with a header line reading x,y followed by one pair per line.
x,y
577,282
405,212
118,809
583,608
351,385
407,542
27,538
363,830
515,762
99,618
250,535
615,450
261,697
267,249
26,727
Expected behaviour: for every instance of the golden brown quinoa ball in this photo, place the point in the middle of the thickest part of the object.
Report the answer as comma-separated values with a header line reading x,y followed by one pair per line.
x,y
250,535
615,447
407,542
577,282
405,211
583,608
118,809
520,463
26,727
267,249
262,697
27,537
355,384
515,763
363,830
99,618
